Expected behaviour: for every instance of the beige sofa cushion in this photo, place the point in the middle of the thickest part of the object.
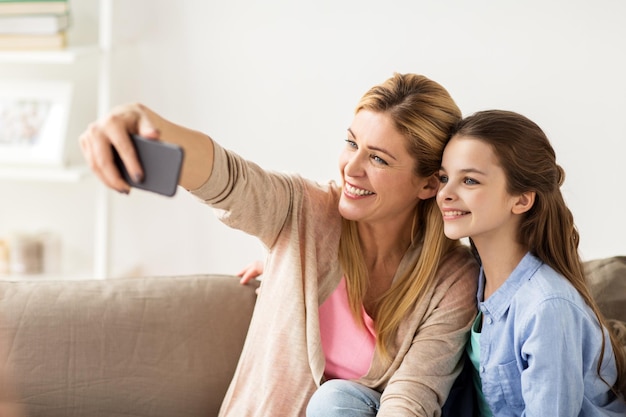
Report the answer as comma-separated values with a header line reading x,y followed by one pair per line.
x,y
162,346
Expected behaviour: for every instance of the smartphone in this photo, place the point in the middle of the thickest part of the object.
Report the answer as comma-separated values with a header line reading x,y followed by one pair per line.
x,y
161,163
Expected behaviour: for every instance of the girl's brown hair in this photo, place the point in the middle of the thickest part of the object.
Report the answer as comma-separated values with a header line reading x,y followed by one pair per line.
x,y
424,113
547,229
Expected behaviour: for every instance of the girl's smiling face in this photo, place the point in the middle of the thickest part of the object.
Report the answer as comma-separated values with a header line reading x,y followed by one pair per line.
x,y
473,195
378,173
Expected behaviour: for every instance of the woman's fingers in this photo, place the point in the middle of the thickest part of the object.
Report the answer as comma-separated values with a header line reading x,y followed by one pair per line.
x,y
111,135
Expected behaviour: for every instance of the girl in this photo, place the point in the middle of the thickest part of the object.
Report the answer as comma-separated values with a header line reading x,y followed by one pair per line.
x,y
539,345
361,288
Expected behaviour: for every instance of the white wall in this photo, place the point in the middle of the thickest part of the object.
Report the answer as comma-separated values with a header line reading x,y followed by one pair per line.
x,y
277,81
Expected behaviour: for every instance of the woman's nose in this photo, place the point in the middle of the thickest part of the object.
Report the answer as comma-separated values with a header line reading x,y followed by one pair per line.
x,y
354,165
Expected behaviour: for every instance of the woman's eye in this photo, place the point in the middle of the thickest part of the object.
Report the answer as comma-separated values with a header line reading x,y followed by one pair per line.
x,y
351,143
378,160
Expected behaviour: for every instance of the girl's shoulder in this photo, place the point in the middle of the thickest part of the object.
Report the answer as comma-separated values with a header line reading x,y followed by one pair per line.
x,y
549,291
546,283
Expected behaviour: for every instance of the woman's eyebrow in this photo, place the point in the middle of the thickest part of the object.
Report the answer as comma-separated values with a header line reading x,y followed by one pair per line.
x,y
381,150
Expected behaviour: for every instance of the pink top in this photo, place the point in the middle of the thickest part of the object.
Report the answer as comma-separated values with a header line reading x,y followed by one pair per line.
x,y
348,347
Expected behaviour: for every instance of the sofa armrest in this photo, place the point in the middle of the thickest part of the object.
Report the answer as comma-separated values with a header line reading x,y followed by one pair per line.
x,y
158,346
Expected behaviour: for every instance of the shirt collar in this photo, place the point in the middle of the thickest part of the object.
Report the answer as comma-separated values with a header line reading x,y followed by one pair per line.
x,y
499,302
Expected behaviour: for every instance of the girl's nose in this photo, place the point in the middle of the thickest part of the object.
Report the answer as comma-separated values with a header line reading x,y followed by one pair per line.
x,y
445,193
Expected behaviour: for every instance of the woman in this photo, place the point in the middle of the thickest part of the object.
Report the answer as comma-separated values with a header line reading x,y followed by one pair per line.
x,y
539,345
361,285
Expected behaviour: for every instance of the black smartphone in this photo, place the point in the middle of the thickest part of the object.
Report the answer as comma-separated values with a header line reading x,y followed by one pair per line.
x,y
161,163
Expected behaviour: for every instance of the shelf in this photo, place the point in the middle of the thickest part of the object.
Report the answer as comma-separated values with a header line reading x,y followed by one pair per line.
x,y
38,64
61,174
61,56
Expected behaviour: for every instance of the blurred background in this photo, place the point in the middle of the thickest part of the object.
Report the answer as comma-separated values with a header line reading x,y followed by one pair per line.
x,y
277,82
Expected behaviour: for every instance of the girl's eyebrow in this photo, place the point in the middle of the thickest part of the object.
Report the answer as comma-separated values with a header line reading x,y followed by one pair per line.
x,y
374,148
472,171
466,171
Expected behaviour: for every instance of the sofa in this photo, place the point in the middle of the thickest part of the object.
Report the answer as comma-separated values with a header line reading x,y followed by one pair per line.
x,y
153,346
150,346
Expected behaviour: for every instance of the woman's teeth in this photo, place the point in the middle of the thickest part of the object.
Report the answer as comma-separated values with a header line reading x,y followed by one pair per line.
x,y
357,191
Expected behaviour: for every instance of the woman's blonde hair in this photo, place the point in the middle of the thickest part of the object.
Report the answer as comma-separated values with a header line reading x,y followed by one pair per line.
x,y
424,113
547,229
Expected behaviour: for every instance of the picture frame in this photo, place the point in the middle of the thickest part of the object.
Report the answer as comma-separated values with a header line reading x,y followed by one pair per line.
x,y
33,122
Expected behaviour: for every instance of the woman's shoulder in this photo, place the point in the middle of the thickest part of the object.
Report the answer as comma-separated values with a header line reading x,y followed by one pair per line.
x,y
320,196
459,267
461,257
317,188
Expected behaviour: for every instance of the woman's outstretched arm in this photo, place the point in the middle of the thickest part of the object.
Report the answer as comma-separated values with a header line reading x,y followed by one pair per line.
x,y
114,129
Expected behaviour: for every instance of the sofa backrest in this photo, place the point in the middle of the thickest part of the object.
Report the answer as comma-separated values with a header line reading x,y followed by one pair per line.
x,y
607,280
160,346
156,346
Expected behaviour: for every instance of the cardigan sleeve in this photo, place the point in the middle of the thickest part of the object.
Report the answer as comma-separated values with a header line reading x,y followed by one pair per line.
x,y
247,197
431,361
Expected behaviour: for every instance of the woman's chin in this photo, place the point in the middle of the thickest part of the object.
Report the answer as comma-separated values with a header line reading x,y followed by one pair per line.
x,y
347,212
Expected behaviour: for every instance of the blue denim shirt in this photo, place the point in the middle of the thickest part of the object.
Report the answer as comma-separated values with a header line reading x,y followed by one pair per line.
x,y
540,346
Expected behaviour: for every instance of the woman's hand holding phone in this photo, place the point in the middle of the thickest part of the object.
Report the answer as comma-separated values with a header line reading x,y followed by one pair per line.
x,y
161,163
152,164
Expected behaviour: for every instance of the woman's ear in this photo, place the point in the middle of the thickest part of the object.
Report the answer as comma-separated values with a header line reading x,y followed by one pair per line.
x,y
524,202
429,187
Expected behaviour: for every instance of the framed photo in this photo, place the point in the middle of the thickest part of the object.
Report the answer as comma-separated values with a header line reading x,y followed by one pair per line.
x,y
33,121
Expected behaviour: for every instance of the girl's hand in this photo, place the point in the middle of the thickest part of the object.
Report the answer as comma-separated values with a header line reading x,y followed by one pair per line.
x,y
251,272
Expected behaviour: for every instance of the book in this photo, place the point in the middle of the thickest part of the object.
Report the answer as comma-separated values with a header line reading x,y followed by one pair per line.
x,y
36,24
33,7
33,42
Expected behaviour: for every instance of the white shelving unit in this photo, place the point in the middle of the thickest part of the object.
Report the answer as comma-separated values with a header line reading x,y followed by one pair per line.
x,y
75,174
102,232
65,56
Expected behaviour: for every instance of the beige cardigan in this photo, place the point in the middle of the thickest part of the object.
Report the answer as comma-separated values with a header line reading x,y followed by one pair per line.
x,y
282,362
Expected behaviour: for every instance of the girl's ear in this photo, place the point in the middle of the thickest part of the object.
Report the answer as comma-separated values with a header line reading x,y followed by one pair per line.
x,y
524,202
429,187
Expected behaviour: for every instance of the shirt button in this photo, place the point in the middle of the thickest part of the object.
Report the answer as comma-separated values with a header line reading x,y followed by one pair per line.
x,y
482,369
489,320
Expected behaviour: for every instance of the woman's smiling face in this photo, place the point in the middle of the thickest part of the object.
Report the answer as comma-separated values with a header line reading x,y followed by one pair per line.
x,y
378,173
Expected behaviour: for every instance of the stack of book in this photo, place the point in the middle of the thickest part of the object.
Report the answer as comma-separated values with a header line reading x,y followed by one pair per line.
x,y
33,24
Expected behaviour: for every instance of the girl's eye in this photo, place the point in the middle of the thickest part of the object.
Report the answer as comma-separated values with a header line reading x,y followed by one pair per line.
x,y
443,178
470,181
378,160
